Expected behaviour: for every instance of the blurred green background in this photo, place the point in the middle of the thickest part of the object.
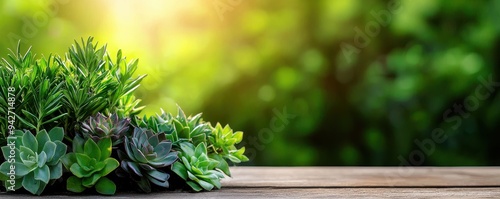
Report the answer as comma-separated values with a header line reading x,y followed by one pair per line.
x,y
323,82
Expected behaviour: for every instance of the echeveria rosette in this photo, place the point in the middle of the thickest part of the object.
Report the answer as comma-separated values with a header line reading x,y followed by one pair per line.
x,y
184,129
196,168
89,163
100,127
154,123
37,159
222,147
147,155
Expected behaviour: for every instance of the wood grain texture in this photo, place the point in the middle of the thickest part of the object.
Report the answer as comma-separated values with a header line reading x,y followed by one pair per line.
x,y
323,177
242,193
341,182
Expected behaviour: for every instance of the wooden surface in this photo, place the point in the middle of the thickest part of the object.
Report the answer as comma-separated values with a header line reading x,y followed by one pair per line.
x,y
345,182
335,177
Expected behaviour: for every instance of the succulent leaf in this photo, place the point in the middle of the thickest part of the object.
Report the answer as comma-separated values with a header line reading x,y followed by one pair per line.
x,y
223,141
105,186
74,184
56,134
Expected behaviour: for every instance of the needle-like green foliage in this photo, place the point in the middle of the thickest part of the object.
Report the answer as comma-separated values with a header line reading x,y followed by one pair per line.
x,y
65,91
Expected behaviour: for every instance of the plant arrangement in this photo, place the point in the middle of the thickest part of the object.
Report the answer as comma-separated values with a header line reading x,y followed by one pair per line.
x,y
96,139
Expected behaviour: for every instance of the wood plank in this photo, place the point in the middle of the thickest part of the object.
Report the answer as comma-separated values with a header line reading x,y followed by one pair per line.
x,y
321,177
342,182
345,193
242,193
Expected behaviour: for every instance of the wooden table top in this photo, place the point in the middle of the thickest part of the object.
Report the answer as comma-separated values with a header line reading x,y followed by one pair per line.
x,y
359,182
346,182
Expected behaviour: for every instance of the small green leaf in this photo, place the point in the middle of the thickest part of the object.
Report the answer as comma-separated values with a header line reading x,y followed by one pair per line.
x,y
56,171
30,184
21,169
111,164
164,161
56,117
200,149
91,180
238,136
26,122
74,184
105,148
162,148
58,153
83,160
232,158
212,163
92,150
180,170
78,171
194,186
186,163
196,171
56,133
105,186
192,177
157,182
68,160
30,140
201,138
41,137
18,183
99,166
49,149
187,148
25,152
223,166
134,167
216,182
6,153
42,174
78,143
159,175
206,185
138,155
42,159
41,188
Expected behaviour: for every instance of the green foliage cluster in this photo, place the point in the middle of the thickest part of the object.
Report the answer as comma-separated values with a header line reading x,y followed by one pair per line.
x,y
89,163
215,147
100,127
197,168
56,91
37,161
87,100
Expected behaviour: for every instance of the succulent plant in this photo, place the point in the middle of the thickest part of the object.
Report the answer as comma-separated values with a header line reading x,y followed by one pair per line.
x,y
36,159
181,128
196,168
223,147
146,154
100,127
89,163
155,123
79,92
